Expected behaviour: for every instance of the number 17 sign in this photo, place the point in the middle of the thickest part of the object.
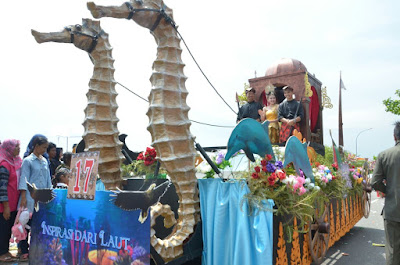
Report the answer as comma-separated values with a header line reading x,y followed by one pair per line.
x,y
82,184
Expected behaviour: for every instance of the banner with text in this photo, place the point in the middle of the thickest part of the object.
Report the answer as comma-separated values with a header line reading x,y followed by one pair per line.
x,y
97,232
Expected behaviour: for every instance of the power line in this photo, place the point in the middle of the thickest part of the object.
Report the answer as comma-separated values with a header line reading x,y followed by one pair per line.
x,y
202,123
132,92
202,71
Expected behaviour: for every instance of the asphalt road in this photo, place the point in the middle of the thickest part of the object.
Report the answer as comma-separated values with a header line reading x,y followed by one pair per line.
x,y
356,246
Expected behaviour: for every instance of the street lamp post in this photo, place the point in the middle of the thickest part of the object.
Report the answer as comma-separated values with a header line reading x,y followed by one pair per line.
x,y
359,134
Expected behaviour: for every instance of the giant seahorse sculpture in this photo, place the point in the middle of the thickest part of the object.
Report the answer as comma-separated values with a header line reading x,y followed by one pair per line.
x,y
169,124
100,124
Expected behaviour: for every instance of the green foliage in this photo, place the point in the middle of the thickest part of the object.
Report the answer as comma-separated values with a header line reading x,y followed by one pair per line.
x,y
242,97
220,162
137,169
333,189
327,159
393,105
288,203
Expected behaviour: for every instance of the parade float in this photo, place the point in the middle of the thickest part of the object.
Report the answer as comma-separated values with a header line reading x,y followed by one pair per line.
x,y
287,207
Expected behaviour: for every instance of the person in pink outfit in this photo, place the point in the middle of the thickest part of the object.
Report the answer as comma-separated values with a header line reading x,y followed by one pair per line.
x,y
10,164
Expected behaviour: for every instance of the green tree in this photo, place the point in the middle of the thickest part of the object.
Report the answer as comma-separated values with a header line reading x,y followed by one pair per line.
x,y
393,105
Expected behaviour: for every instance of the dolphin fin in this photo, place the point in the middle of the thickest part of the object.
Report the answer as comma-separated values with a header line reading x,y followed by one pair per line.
x,y
249,154
265,125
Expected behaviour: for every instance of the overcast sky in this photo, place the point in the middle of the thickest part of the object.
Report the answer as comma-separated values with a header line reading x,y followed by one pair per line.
x,y
43,86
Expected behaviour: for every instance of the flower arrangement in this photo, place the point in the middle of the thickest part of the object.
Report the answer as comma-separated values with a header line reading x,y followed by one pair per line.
x,y
293,194
145,164
219,161
330,181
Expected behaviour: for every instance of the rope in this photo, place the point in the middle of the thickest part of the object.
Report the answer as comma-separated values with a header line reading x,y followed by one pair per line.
x,y
172,23
202,123
198,66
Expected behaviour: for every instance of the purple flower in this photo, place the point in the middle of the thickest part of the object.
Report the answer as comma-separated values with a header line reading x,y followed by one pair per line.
x,y
270,167
279,164
220,158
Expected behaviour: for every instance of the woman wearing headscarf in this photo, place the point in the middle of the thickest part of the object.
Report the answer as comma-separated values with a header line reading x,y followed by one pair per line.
x,y
10,164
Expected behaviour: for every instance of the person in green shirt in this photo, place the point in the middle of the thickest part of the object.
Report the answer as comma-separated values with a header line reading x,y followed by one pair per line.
x,y
386,179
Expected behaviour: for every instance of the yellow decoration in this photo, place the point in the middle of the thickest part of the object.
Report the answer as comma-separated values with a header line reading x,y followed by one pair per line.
x,y
352,219
342,220
347,216
332,227
312,155
102,256
306,257
308,92
326,101
242,97
281,257
198,160
295,256
337,225
269,88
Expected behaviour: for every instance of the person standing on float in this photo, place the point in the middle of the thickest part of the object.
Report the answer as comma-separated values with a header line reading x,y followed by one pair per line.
x,y
251,108
290,113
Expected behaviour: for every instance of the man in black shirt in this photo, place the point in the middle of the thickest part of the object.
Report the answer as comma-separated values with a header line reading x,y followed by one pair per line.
x,y
250,109
290,113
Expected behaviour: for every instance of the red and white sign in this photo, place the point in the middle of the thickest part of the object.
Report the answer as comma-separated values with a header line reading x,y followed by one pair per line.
x,y
84,167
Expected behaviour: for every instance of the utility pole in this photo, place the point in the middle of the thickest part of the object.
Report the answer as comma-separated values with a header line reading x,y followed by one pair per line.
x,y
341,144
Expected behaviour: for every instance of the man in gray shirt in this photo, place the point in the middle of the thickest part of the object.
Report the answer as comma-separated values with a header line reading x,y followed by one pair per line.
x,y
386,179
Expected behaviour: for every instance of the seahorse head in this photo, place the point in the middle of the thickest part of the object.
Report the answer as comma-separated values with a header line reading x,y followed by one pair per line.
x,y
83,36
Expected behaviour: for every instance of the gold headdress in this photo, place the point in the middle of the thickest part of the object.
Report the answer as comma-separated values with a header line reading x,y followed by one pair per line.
x,y
269,88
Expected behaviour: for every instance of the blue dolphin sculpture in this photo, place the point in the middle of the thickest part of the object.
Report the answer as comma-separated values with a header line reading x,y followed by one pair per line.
x,y
296,152
251,137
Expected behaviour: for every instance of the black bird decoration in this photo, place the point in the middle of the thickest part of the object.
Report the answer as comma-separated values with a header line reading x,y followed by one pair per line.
x,y
40,195
140,200
129,155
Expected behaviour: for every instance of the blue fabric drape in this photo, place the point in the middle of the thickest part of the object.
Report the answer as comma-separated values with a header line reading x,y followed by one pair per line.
x,y
230,235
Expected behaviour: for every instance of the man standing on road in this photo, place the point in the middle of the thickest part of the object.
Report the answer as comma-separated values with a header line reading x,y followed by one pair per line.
x,y
386,179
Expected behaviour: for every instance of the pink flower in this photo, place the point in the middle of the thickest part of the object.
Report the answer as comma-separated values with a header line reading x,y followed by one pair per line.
x,y
302,190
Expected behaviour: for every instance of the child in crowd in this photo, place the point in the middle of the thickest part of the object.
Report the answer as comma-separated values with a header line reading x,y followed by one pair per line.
x,y
35,170
61,178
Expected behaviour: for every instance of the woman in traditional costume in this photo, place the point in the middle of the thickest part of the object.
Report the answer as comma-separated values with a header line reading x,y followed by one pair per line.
x,y
270,113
